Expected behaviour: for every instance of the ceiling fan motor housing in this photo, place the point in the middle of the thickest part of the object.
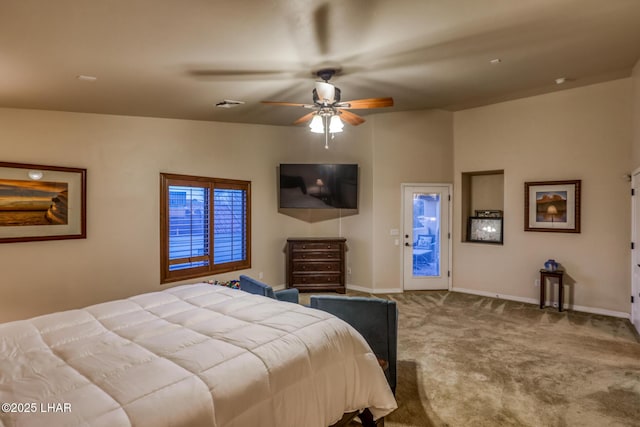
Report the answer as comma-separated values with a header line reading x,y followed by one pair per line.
x,y
327,102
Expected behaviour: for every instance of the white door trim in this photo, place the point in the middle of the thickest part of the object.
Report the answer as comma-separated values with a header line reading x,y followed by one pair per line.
x,y
635,257
449,231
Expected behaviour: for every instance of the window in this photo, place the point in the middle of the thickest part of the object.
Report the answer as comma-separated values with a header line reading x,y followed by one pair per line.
x,y
205,226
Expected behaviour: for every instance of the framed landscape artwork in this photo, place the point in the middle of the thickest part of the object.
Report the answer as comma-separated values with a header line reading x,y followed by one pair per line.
x,y
41,202
552,206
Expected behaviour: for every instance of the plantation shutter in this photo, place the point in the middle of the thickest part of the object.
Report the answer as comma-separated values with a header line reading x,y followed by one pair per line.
x,y
205,226
230,225
188,227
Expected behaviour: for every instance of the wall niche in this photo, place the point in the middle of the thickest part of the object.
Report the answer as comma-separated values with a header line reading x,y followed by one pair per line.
x,y
483,194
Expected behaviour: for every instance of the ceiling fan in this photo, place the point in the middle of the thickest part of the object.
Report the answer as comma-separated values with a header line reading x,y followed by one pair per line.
x,y
329,109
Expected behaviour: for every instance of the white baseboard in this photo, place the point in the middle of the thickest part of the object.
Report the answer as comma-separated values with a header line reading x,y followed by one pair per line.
x,y
357,288
592,310
374,291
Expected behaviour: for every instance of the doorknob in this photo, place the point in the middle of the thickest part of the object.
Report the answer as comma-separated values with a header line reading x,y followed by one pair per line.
x,y
407,244
406,236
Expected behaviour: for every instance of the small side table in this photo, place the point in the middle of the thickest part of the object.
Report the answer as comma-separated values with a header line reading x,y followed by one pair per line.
x,y
558,274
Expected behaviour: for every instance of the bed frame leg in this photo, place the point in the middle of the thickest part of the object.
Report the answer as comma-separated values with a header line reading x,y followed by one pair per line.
x,y
367,419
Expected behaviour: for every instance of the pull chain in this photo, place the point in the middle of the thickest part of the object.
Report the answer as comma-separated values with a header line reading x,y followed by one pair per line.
x,y
326,134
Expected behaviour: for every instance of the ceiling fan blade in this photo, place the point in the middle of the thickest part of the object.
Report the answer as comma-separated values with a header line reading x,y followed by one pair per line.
x,y
287,104
321,24
238,73
351,118
304,118
279,72
367,103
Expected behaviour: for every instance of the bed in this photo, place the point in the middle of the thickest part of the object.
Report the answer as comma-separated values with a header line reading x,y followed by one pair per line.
x,y
192,355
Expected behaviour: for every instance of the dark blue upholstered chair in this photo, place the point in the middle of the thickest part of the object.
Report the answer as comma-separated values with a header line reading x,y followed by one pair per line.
x,y
377,321
253,286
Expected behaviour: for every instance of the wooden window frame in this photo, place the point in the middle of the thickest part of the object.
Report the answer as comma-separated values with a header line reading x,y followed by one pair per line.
x,y
167,180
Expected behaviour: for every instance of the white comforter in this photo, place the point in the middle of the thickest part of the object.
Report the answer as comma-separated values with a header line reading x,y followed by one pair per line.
x,y
193,355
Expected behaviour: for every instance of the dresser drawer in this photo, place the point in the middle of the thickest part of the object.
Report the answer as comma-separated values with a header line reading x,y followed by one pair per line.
x,y
315,255
320,266
316,279
302,246
316,264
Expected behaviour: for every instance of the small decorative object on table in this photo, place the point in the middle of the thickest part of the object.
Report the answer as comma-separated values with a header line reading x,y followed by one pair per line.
x,y
551,265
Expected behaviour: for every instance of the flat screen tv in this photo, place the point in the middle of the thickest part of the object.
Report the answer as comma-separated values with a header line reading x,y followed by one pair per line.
x,y
318,186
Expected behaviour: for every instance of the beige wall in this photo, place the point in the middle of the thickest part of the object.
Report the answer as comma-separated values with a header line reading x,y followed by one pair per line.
x,y
487,192
123,157
411,147
582,133
635,150
351,146
391,149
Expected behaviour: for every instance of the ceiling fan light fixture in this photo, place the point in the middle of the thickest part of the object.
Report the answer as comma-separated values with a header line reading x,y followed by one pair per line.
x,y
326,92
316,125
335,125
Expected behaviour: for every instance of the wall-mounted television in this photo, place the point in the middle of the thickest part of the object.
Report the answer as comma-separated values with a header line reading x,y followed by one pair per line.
x,y
318,186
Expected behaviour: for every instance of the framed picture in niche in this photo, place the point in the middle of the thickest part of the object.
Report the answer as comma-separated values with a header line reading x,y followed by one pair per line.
x,y
484,230
552,206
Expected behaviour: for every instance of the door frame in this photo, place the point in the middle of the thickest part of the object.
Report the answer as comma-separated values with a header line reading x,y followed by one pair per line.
x,y
635,238
449,231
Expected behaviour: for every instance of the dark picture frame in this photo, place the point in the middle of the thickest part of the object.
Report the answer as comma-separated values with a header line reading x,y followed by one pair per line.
x,y
552,206
488,213
485,230
39,202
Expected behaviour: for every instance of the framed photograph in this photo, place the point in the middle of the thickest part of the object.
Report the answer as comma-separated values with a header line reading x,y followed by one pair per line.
x,y
489,213
484,230
552,206
42,202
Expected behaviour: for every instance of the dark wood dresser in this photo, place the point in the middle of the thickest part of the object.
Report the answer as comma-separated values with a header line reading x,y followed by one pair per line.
x,y
316,264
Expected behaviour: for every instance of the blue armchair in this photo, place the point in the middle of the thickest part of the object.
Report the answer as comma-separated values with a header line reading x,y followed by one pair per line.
x,y
253,286
377,321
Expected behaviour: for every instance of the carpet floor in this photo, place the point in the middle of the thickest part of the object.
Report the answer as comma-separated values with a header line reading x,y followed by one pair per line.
x,y
467,360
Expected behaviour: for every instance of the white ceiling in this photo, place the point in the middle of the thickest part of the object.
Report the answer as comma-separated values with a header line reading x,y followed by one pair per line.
x,y
177,58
